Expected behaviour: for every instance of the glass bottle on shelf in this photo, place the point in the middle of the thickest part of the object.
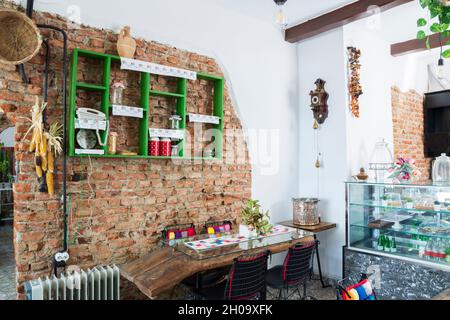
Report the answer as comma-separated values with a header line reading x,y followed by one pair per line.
x,y
117,93
387,244
440,254
393,245
429,250
380,243
447,252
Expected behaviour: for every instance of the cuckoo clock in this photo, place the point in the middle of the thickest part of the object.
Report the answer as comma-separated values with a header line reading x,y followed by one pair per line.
x,y
319,101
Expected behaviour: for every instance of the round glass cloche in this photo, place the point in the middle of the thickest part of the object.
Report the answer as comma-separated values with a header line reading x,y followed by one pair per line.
x,y
441,170
381,160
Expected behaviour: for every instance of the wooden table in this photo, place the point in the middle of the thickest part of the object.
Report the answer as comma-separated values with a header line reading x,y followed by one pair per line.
x,y
323,226
164,268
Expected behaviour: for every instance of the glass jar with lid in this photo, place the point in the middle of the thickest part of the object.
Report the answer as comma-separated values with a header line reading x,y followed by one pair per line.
x,y
381,160
441,170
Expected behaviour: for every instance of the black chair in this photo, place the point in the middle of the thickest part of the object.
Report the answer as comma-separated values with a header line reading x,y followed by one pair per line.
x,y
295,271
246,281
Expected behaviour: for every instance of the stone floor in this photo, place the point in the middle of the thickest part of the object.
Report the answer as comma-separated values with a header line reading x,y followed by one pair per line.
x,y
7,264
314,290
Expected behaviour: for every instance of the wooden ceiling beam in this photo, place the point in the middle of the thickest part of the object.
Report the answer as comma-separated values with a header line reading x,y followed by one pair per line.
x,y
414,45
337,18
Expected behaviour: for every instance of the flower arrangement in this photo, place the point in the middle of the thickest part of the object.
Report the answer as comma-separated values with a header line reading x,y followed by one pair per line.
x,y
404,169
255,219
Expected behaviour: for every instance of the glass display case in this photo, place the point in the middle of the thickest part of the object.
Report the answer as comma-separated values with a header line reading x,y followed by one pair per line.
x,y
405,221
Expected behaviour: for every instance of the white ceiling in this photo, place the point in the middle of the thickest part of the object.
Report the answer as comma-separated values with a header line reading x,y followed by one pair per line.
x,y
296,10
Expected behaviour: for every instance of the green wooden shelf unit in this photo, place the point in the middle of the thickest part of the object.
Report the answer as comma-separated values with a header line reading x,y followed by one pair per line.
x,y
146,93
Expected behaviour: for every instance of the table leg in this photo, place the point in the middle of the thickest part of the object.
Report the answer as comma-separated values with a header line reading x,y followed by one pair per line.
x,y
319,266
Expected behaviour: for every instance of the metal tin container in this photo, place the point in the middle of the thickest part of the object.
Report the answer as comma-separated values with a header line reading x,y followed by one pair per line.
x,y
306,211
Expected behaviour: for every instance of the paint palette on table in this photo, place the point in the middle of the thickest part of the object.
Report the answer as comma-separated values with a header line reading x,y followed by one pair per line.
x,y
217,242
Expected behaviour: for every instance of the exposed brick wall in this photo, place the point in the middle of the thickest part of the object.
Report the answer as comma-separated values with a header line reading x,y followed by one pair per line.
x,y
408,118
118,215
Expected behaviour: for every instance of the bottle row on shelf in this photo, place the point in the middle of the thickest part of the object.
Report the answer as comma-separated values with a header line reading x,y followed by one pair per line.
x,y
430,249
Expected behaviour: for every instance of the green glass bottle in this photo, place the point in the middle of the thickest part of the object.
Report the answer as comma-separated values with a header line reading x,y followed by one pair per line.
x,y
393,245
387,244
380,245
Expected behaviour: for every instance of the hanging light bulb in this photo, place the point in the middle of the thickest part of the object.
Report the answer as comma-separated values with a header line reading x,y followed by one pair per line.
x,y
280,17
440,66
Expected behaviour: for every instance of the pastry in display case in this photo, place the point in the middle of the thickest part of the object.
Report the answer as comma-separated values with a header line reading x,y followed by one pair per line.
x,y
405,221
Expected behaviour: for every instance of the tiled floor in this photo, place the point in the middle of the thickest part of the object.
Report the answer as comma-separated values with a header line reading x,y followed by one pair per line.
x,y
7,264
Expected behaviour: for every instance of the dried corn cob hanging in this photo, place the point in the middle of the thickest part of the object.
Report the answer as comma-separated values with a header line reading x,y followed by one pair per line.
x,y
46,147
54,149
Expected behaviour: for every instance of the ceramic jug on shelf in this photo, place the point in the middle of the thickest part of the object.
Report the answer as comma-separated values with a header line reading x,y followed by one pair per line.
x,y
126,45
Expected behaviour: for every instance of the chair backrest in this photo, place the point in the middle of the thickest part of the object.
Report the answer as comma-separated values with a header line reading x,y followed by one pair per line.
x,y
178,232
298,263
247,279
218,227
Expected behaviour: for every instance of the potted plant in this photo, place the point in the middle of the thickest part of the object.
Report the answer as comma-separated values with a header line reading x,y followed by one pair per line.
x,y
254,221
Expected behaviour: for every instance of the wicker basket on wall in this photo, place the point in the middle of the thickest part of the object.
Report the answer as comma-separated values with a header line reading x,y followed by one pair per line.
x,y
21,39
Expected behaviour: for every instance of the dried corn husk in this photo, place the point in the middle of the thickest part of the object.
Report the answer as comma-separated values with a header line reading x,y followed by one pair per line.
x,y
50,183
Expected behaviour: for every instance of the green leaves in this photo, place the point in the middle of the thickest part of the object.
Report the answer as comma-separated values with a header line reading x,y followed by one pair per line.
x,y
424,3
438,11
421,35
421,22
446,53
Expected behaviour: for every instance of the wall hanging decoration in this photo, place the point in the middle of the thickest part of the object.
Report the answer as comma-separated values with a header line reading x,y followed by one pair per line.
x,y
319,106
45,146
319,102
126,45
355,88
21,39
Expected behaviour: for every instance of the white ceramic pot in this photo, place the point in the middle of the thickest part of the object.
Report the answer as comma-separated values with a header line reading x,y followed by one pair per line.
x,y
246,232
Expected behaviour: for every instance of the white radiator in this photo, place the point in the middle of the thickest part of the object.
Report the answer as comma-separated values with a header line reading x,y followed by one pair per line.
x,y
99,283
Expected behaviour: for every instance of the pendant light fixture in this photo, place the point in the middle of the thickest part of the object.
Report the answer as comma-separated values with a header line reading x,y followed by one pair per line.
x,y
280,17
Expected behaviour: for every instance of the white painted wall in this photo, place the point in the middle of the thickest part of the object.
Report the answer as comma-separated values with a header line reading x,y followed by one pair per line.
x,y
7,137
377,76
347,142
323,57
259,65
